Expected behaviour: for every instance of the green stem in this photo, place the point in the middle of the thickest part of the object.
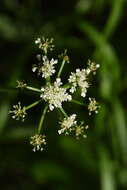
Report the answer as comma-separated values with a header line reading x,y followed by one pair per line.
x,y
42,118
48,80
67,86
61,68
78,102
32,105
63,112
33,89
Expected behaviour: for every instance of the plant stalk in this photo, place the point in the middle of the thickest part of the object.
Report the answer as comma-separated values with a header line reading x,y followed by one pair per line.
x,y
32,105
33,89
42,118
63,112
61,68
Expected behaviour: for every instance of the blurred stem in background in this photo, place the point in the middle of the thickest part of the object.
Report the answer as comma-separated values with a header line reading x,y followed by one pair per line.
x,y
106,56
107,170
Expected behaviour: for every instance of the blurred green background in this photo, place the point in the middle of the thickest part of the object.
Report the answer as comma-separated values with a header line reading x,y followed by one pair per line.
x,y
89,29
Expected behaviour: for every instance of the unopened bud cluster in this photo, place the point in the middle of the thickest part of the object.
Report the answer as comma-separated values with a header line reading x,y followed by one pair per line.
x,y
54,93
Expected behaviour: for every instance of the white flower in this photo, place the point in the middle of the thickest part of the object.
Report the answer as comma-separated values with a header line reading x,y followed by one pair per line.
x,y
79,79
38,41
55,95
67,124
46,68
37,141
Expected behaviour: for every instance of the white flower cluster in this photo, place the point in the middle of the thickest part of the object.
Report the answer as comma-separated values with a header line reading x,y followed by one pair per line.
x,y
45,44
46,68
67,124
79,79
18,112
55,94
80,131
37,141
93,106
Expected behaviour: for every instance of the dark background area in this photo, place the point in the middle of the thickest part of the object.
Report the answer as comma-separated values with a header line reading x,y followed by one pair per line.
x,y
89,29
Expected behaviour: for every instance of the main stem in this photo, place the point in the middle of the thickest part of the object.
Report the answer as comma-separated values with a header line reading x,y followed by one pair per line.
x,y
42,118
